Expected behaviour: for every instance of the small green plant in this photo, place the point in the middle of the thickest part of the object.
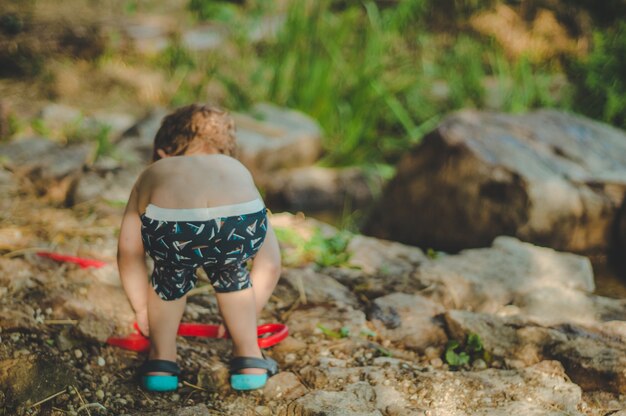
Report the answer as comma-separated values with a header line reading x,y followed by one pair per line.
x,y
176,58
458,355
319,249
213,10
81,131
343,332
39,127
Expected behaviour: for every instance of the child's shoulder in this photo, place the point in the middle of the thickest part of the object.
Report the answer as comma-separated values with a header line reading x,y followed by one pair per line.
x,y
195,163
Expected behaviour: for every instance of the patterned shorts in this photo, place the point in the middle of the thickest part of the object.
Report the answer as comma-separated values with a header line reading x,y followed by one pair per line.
x,y
220,240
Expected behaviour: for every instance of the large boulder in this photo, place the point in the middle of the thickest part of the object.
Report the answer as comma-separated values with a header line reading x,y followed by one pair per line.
x,y
54,169
547,177
271,138
315,188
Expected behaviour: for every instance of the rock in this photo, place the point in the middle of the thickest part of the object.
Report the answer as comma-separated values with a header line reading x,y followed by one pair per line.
x,y
593,357
552,305
284,386
9,184
136,142
54,169
333,317
150,35
95,328
317,287
33,378
55,116
543,389
620,240
546,177
389,400
388,258
273,138
289,345
114,187
501,337
334,403
215,378
315,188
416,327
203,38
197,410
488,279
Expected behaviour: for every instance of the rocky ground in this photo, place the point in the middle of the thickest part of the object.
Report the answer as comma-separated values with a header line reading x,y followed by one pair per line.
x,y
368,334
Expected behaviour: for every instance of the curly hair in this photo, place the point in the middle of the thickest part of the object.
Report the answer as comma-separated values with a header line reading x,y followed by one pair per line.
x,y
212,125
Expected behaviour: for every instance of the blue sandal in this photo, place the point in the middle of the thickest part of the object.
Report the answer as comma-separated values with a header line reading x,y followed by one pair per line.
x,y
251,381
159,383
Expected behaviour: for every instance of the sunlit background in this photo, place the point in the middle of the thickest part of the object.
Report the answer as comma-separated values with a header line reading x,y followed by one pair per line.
x,y
376,75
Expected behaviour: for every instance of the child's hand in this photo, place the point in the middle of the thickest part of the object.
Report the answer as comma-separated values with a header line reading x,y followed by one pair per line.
x,y
221,331
142,322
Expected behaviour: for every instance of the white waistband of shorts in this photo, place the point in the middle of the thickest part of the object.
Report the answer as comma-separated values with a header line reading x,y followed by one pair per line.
x,y
203,214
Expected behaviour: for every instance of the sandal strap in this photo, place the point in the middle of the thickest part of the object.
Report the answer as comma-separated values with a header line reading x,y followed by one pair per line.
x,y
163,366
239,363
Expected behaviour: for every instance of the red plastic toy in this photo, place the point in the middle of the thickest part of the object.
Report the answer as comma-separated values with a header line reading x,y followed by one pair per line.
x,y
80,261
139,343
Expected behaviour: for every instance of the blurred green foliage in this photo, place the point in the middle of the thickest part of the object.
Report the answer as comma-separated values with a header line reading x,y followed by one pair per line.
x,y
601,78
323,251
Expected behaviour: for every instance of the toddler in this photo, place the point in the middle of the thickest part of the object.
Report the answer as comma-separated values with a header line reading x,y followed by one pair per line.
x,y
197,206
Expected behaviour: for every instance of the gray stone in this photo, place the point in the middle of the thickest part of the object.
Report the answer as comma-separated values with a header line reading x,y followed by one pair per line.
x,y
95,328
546,177
137,142
284,386
203,38
488,279
114,187
541,389
417,328
316,287
375,256
315,188
54,169
149,35
332,317
335,403
594,357
273,138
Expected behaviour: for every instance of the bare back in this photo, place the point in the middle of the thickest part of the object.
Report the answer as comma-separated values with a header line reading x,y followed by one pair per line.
x,y
195,181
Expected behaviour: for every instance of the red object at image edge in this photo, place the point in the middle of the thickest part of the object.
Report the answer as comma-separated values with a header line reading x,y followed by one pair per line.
x,y
139,343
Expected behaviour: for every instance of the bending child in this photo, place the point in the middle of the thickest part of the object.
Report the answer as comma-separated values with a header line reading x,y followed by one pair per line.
x,y
196,206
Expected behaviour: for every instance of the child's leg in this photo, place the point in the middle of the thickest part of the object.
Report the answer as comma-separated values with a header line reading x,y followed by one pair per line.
x,y
164,318
265,270
238,309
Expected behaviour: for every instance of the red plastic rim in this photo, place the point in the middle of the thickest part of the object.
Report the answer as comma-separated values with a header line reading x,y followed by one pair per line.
x,y
269,335
80,261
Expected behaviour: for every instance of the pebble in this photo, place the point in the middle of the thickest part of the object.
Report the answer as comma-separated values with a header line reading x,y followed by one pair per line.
x,y
479,364
436,362
105,379
100,394
101,362
78,354
262,411
290,358
175,397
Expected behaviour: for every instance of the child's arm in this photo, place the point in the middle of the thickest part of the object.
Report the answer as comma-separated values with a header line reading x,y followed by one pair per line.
x,y
266,269
132,264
